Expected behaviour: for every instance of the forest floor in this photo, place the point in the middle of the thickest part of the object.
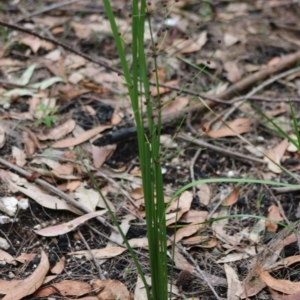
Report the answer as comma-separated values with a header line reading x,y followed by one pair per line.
x,y
229,71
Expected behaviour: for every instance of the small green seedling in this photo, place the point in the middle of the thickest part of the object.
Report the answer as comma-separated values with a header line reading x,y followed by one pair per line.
x,y
47,118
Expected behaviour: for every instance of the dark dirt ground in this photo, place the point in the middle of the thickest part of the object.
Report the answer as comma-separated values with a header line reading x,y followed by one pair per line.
x,y
243,37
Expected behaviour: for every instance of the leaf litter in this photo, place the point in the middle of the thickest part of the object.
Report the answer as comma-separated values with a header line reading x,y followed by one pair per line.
x,y
53,109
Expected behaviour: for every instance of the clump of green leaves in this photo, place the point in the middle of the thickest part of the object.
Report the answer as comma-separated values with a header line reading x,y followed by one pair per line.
x,y
48,117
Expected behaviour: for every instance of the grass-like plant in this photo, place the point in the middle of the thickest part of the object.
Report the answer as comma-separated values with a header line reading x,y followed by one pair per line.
x,y
137,80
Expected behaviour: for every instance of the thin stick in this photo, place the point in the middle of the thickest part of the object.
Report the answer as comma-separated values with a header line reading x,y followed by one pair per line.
x,y
100,272
47,9
237,155
256,90
55,191
199,272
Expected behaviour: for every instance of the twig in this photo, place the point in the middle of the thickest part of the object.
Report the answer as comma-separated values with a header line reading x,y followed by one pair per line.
x,y
256,90
199,272
61,44
249,81
47,9
237,155
100,272
99,173
55,191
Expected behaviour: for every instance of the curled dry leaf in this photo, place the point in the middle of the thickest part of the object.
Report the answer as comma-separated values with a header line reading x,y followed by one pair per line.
x,y
85,136
65,288
26,257
174,106
181,46
162,90
238,126
19,155
185,231
30,284
41,198
274,214
179,207
252,288
99,253
125,226
59,266
138,243
234,72
140,291
194,216
232,198
280,285
91,198
101,154
57,132
280,296
234,285
4,256
111,290
274,156
204,194
181,262
69,226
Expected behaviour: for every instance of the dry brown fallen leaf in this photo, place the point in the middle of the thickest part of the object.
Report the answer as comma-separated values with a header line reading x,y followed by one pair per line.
x,y
4,256
174,106
85,136
99,253
285,262
280,285
138,242
140,291
232,198
221,234
194,216
162,90
19,156
181,262
26,257
274,214
204,193
179,207
181,46
279,296
65,288
30,284
234,285
111,290
59,266
238,126
252,288
185,231
68,226
234,72
274,156
41,198
57,132
101,154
